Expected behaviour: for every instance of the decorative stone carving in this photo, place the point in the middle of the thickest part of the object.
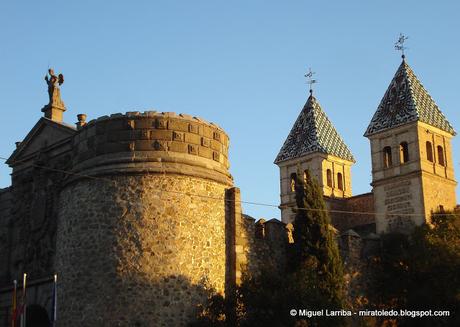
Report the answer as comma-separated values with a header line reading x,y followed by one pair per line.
x,y
192,149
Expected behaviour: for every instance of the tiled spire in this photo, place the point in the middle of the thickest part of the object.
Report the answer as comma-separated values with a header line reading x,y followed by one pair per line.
x,y
406,101
313,132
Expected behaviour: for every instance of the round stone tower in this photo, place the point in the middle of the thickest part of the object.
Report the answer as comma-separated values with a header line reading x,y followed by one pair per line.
x,y
141,230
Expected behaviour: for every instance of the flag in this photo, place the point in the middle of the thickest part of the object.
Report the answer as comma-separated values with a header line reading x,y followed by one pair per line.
x,y
22,309
14,309
54,308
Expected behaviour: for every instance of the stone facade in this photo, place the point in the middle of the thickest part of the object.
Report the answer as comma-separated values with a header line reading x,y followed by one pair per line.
x,y
327,170
413,187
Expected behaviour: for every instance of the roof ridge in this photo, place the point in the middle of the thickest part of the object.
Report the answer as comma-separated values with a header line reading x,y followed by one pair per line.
x,y
315,114
426,93
406,71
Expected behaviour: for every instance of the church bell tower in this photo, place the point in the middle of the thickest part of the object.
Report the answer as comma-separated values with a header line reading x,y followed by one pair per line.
x,y
314,144
412,168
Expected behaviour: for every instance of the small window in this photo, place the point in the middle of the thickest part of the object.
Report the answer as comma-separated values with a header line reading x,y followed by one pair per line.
x,y
387,161
305,176
293,181
329,177
429,151
340,181
403,152
441,155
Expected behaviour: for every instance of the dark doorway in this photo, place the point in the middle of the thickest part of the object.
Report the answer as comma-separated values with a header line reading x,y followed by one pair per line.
x,y
36,316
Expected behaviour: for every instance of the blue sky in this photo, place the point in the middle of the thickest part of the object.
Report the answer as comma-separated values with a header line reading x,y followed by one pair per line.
x,y
239,64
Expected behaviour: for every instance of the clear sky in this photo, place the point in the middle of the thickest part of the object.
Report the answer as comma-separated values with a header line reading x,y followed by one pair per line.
x,y
239,64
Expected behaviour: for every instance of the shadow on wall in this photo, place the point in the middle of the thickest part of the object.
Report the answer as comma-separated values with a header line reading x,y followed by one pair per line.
x,y
170,301
142,302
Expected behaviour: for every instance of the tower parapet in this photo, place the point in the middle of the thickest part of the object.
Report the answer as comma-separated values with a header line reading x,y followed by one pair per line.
x,y
154,142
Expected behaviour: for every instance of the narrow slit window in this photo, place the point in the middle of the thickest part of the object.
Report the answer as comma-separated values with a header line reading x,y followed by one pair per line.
x,y
429,151
340,181
441,156
329,178
403,152
387,160
293,181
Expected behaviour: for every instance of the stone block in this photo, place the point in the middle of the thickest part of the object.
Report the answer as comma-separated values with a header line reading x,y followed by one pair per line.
x,y
205,142
160,123
161,135
193,128
156,145
192,149
215,145
207,131
178,147
178,136
178,125
192,138
205,152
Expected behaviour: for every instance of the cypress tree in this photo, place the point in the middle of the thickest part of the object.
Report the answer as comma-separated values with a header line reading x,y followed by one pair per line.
x,y
315,250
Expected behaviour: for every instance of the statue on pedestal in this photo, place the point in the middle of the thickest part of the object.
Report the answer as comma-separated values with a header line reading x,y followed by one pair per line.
x,y
55,108
54,92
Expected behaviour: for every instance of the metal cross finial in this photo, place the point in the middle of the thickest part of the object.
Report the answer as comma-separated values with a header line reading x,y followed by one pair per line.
x,y
399,45
310,81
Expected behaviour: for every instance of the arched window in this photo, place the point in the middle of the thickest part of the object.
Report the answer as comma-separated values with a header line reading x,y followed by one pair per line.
x,y
340,181
329,177
403,152
441,155
293,181
429,151
305,176
387,161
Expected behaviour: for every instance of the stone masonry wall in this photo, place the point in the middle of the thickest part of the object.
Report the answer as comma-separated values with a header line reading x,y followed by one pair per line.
x,y
149,254
356,213
5,232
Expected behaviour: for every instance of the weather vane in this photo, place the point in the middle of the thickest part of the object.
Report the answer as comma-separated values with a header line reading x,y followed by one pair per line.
x,y
310,80
399,45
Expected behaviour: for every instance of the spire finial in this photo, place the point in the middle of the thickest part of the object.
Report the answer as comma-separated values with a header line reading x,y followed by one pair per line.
x,y
310,79
399,45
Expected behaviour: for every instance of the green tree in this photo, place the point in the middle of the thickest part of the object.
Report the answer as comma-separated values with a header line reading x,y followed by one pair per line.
x,y
315,261
421,271
313,280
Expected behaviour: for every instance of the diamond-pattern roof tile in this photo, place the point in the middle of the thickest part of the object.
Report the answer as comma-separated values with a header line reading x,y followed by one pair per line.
x,y
406,101
313,132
